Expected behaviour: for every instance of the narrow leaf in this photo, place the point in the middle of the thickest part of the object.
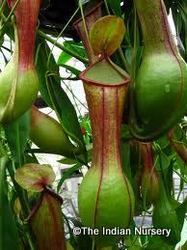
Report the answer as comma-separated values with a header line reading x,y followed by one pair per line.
x,y
55,96
75,47
115,6
63,58
67,174
8,231
17,134
71,69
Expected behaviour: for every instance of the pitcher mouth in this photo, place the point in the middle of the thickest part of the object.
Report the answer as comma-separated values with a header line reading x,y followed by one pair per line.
x,y
124,81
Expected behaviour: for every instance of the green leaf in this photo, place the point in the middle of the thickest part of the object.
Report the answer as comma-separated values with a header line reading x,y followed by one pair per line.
x,y
156,243
179,133
133,242
125,133
73,70
68,161
55,96
115,6
43,66
67,174
82,241
75,47
63,58
66,112
125,158
162,161
17,134
181,212
163,141
34,177
8,230
69,246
